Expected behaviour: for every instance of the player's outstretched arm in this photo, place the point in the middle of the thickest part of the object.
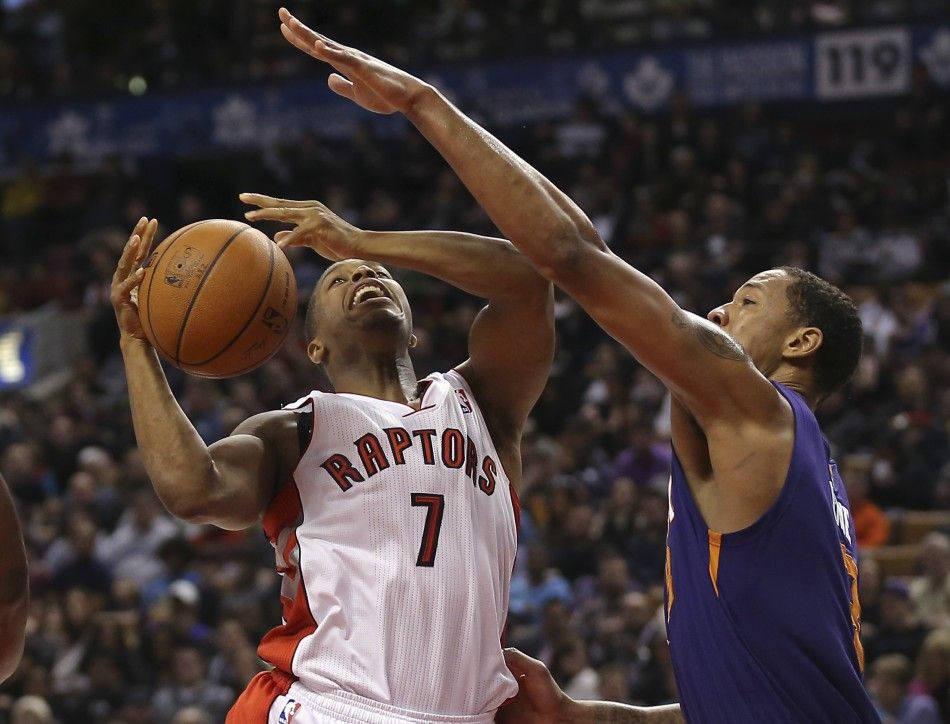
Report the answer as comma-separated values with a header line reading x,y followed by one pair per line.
x,y
511,345
228,484
541,701
704,367
14,585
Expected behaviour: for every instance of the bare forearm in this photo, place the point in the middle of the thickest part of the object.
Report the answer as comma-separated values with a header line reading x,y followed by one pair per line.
x,y
538,218
603,712
176,458
480,265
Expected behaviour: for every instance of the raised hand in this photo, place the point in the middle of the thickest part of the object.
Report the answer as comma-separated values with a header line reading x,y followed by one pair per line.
x,y
365,80
127,277
316,226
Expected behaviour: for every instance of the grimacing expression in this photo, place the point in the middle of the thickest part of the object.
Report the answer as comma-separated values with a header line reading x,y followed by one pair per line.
x,y
759,318
359,294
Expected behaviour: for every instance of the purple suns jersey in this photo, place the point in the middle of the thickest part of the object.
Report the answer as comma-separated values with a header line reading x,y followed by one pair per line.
x,y
764,623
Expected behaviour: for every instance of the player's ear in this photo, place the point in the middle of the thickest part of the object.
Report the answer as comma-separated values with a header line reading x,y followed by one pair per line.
x,y
803,342
316,352
413,341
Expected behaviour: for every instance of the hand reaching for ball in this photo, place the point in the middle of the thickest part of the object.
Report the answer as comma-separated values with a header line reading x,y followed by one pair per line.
x,y
128,275
316,226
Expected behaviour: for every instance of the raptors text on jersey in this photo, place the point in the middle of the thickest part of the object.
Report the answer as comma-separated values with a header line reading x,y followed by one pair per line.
x,y
396,539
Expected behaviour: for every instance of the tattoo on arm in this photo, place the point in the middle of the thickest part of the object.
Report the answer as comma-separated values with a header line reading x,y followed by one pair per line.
x,y
719,343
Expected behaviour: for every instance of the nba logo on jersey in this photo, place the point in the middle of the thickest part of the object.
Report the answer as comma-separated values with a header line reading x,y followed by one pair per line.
x,y
463,401
288,713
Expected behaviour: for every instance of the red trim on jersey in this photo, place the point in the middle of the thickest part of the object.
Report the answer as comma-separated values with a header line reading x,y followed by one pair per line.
x,y
280,643
253,705
515,507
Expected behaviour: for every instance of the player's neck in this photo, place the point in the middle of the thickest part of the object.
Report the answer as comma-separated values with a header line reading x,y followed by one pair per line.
x,y
383,377
793,381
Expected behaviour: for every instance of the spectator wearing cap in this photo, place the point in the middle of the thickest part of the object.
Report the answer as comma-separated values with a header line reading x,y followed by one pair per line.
x,y
899,631
889,682
185,599
930,591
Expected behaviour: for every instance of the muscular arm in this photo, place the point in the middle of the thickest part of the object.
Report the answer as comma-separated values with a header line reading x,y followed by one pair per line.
x,y
14,587
704,367
603,712
541,701
227,484
511,344
695,360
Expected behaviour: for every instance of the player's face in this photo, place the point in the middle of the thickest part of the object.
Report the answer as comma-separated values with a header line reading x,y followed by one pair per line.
x,y
357,294
758,318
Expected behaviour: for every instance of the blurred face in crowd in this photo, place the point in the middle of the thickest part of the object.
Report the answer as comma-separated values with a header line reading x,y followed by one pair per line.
x,y
188,668
758,318
935,556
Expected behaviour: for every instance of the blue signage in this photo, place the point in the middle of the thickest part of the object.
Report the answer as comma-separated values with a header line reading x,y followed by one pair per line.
x,y
824,67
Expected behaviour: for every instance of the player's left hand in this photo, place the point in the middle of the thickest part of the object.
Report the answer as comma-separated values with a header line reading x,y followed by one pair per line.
x,y
539,699
316,226
365,80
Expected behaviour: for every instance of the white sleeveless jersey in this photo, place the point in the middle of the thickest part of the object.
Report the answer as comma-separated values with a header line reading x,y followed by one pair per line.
x,y
396,540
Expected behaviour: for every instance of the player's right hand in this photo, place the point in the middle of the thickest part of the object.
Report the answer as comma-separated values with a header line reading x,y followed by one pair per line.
x,y
367,81
316,226
128,275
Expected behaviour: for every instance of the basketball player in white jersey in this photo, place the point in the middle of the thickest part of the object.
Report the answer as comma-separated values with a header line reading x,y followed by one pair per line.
x,y
391,503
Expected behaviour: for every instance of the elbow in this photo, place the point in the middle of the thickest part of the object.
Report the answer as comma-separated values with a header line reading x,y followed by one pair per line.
x,y
190,509
569,254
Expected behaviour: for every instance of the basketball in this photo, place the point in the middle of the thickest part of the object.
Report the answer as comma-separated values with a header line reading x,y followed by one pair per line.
x,y
217,298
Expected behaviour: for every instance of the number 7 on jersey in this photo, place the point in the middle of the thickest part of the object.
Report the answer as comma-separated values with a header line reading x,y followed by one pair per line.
x,y
430,535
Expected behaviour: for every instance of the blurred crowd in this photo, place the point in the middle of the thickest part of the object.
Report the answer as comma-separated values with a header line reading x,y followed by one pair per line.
x,y
137,618
57,49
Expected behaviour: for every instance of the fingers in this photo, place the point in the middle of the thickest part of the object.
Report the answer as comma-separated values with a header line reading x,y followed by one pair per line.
x,y
341,86
276,213
269,201
126,286
521,664
307,40
145,246
128,253
287,239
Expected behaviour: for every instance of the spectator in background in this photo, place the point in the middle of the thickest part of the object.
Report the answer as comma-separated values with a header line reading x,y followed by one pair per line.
x,y
898,632
888,681
573,672
870,522
930,591
933,670
189,687
534,585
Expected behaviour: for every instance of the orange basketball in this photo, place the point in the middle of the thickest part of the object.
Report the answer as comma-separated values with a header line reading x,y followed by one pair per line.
x,y
217,298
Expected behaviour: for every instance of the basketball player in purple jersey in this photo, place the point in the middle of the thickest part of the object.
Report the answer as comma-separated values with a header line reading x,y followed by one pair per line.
x,y
14,587
761,586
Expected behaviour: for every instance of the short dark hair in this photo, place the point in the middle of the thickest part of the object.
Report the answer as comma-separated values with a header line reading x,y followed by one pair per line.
x,y
817,303
310,321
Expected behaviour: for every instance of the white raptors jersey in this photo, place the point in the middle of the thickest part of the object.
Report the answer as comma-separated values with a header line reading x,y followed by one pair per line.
x,y
396,540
